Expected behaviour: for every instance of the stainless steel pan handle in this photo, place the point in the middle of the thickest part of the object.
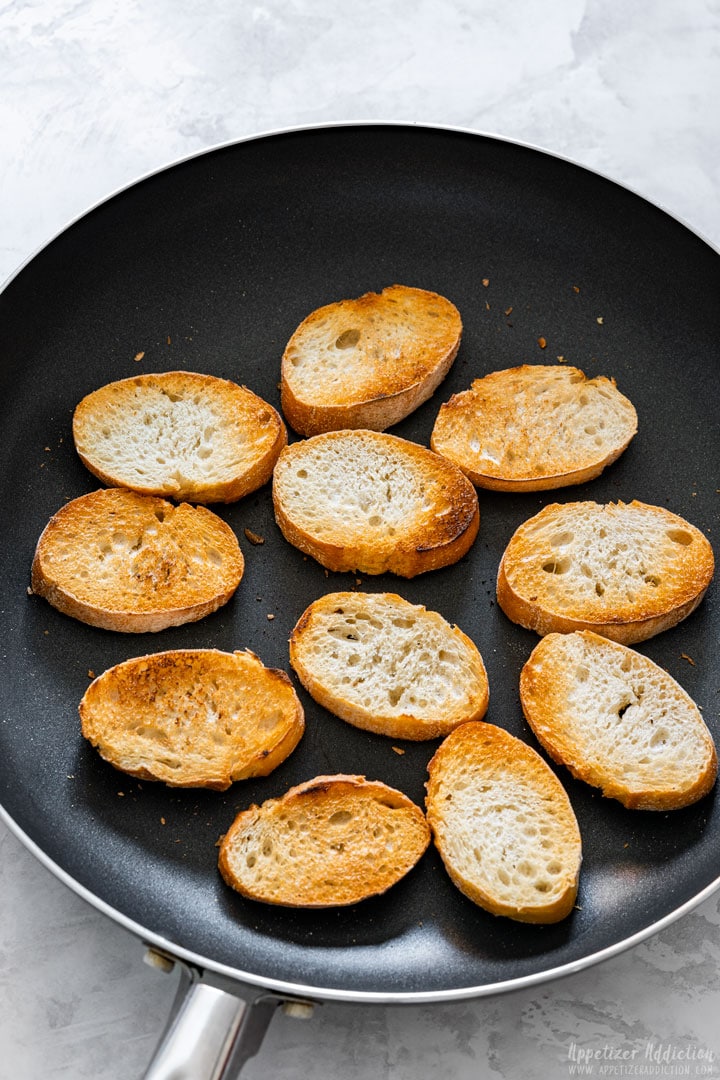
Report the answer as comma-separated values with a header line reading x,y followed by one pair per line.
x,y
211,1033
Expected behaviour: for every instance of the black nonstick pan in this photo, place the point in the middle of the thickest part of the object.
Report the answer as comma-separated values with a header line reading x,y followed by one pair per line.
x,y
209,266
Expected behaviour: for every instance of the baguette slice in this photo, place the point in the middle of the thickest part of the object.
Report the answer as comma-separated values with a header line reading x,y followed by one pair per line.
x,y
626,570
617,721
367,363
388,666
371,502
193,717
135,563
534,427
503,825
329,842
179,434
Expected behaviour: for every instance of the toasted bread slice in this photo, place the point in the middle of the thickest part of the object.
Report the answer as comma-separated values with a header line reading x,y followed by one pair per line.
x,y
367,363
503,825
180,435
329,842
388,666
135,563
371,502
617,721
193,717
534,427
626,570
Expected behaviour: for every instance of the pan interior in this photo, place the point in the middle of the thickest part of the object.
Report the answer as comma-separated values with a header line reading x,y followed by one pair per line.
x,y
209,266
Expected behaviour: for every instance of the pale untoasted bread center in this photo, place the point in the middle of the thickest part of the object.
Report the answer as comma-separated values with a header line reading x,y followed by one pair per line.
x,y
626,719
368,490
393,660
617,558
505,838
154,438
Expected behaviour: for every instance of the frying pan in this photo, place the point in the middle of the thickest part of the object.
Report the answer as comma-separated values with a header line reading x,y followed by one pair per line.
x,y
209,265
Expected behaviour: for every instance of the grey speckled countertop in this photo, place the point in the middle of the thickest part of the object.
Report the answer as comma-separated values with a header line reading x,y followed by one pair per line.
x,y
94,94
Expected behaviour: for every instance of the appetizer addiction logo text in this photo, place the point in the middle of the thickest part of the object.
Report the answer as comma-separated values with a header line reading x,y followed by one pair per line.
x,y
650,1059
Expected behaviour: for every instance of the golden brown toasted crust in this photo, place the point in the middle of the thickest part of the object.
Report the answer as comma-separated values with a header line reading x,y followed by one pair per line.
x,y
534,428
627,571
617,721
388,666
373,503
135,563
503,825
193,717
369,362
179,434
329,842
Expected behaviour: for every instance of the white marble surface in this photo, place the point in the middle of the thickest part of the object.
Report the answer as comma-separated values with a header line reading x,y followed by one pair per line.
x,y
93,94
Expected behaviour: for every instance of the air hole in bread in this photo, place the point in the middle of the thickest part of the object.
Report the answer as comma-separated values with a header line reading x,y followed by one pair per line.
x,y
342,633
680,536
347,339
599,588
561,539
251,860
542,886
159,514
365,617
590,430
375,520
403,623
557,566
652,579
301,473
581,674
340,817
394,694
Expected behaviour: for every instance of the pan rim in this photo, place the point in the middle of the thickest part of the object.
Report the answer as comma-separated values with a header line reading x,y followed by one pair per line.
x,y
280,987
338,124
250,979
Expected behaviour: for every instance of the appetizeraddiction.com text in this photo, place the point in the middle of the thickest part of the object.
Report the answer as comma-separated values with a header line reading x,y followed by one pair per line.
x,y
650,1060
